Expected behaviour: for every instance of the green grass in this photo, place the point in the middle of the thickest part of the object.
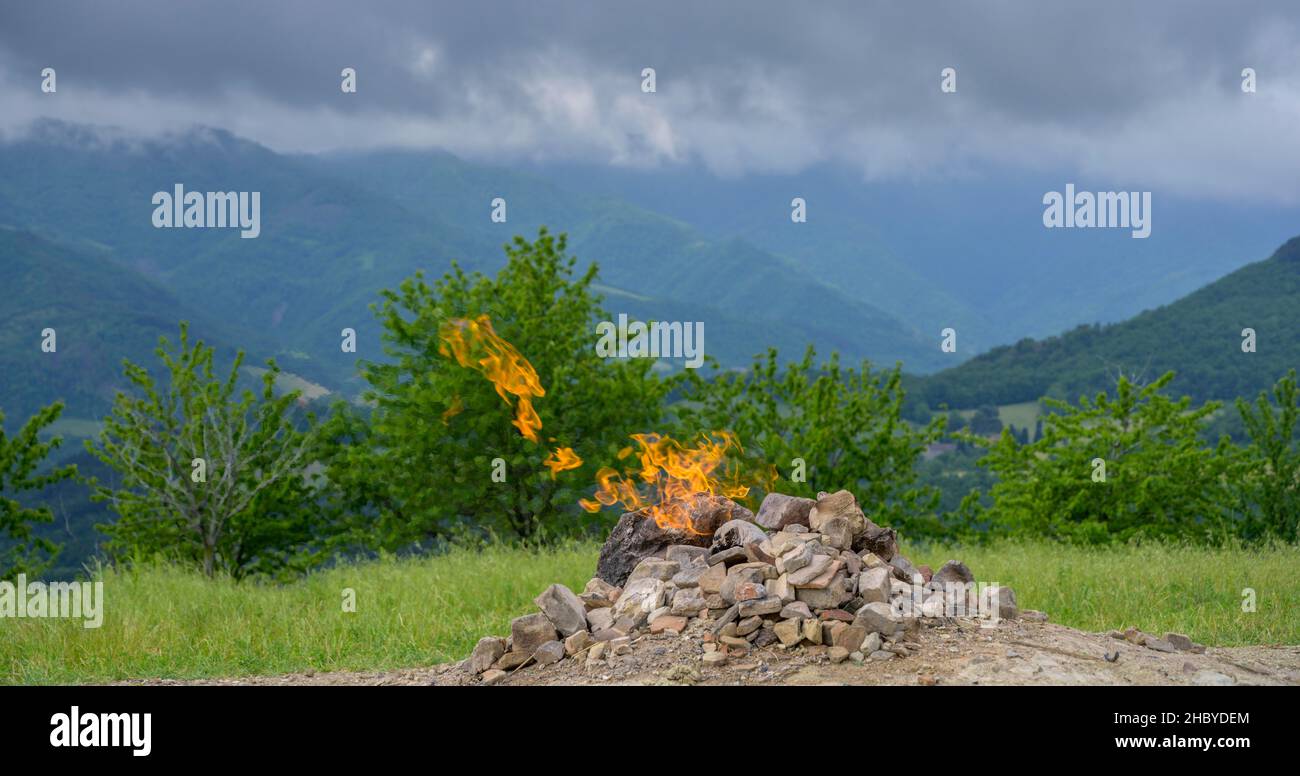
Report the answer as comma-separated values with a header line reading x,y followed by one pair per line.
x,y
168,622
164,622
1022,415
1158,588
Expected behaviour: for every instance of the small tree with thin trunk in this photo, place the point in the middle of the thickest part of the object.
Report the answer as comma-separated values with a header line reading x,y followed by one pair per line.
x,y
211,474
20,459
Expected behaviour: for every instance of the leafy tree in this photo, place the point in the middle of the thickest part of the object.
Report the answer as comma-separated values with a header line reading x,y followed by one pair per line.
x,y
1267,479
843,423
20,457
211,474
417,463
986,421
1159,478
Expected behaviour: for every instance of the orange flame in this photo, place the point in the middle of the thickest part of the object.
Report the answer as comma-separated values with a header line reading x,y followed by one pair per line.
x,y
475,345
562,459
456,407
675,476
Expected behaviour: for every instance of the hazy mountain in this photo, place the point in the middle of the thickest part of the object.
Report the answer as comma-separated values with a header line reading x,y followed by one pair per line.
x,y
336,230
1198,336
669,269
101,312
967,251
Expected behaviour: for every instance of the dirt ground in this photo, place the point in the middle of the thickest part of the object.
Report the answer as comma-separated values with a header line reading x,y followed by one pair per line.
x,y
951,651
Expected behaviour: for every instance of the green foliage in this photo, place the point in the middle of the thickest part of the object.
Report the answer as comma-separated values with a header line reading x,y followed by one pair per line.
x,y
1160,480
1199,336
843,423
1267,475
253,513
417,464
986,421
20,457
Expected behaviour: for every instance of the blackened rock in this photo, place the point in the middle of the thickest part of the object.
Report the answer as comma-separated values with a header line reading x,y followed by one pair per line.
x,y
637,537
883,542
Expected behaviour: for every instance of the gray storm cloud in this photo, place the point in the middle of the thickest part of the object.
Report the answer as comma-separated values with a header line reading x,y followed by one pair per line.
x,y
1147,96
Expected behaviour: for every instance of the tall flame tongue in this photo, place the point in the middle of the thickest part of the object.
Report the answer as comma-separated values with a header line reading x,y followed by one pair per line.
x,y
475,345
674,476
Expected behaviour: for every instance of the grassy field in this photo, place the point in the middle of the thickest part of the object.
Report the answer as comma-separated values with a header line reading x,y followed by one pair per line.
x,y
162,622
1022,415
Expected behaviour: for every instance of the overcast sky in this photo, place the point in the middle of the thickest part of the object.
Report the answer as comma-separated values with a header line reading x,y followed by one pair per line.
x,y
1148,97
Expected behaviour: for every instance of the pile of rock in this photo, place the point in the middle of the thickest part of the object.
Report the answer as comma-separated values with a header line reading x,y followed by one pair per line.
x,y
801,571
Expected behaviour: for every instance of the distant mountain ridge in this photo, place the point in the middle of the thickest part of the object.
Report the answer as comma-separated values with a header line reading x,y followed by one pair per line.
x,y
1199,337
338,229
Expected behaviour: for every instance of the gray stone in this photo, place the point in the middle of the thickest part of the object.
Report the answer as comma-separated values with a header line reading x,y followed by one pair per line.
x,y
688,602
1159,645
823,580
600,587
839,504
713,579
577,643
796,610
690,576
769,605
687,555
817,567
851,638
530,631
838,532
512,660
781,588
755,573
729,556
875,585
594,601
736,533
599,619
748,625
785,541
952,571
564,609
798,557
878,617
779,510
640,598
655,568
1180,642
871,644
726,618
487,651
548,653
789,632
829,597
